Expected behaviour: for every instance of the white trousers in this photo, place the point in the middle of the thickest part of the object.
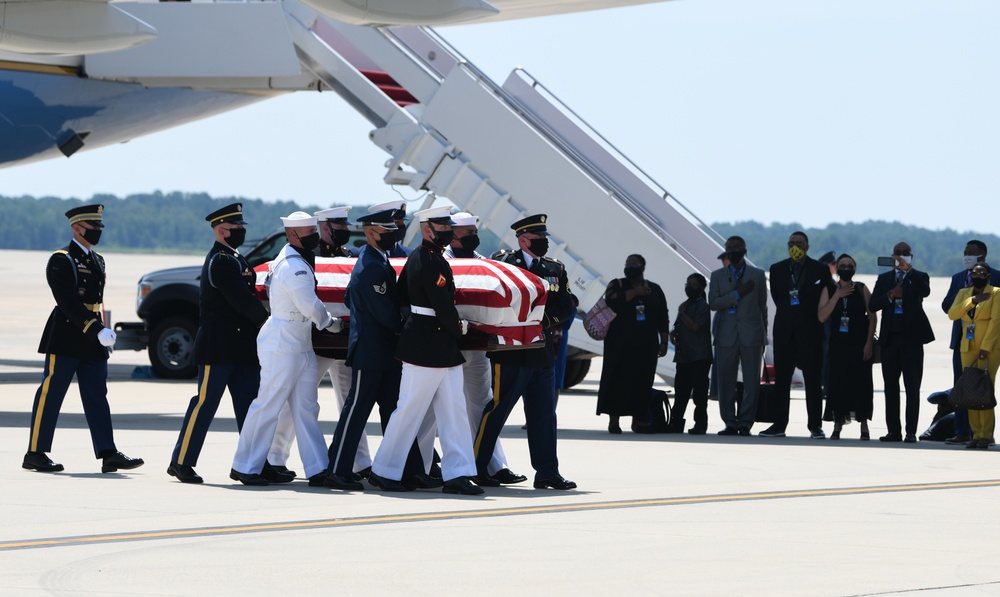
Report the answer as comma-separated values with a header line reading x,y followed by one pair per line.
x,y
478,384
340,379
420,390
285,379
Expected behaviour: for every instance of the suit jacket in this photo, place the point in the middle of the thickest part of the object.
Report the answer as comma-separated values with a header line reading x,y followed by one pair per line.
x,y
426,281
987,319
373,299
914,323
76,279
748,325
798,320
958,282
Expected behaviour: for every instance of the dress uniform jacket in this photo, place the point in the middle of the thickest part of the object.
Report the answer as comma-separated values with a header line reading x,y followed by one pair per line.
x,y
427,281
231,313
77,281
372,298
294,305
558,307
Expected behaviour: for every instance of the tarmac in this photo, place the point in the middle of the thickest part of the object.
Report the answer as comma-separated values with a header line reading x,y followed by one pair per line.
x,y
666,514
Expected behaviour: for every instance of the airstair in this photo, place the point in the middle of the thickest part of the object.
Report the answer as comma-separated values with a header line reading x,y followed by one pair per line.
x,y
499,151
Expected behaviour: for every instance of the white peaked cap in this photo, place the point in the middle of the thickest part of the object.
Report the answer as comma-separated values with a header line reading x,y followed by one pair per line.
x,y
464,218
394,204
433,213
298,219
334,213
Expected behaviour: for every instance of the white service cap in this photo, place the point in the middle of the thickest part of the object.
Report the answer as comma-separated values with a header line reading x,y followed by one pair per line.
x,y
334,213
435,213
464,218
394,204
298,219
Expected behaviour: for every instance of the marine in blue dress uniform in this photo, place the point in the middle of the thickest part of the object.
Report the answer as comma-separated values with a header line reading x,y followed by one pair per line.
x,y
75,342
529,373
225,347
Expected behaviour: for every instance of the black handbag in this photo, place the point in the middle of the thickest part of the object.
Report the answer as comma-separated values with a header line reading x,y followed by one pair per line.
x,y
767,403
974,390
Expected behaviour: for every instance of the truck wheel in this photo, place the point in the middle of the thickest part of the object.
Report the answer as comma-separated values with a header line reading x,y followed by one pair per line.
x,y
576,371
171,348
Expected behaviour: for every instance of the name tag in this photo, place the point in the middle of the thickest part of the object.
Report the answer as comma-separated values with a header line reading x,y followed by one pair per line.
x,y
845,322
793,297
898,308
970,331
640,312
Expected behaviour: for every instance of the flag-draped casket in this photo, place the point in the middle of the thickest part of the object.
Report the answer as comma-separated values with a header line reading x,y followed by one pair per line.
x,y
499,300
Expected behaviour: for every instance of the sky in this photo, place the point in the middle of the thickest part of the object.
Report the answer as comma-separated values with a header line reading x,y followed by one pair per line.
x,y
772,110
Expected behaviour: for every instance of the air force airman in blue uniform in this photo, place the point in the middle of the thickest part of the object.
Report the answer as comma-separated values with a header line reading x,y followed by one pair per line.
x,y
75,342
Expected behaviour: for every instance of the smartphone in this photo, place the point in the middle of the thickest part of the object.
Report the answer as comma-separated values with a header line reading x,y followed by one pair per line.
x,y
886,261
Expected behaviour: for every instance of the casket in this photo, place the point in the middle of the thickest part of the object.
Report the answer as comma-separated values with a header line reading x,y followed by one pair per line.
x,y
503,303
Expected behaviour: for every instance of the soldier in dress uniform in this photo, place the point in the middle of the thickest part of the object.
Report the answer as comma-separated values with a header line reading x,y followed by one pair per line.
x,y
476,373
529,373
288,369
225,347
432,366
334,234
398,208
75,342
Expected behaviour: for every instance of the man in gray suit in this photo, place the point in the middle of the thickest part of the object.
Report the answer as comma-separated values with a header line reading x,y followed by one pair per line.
x,y
738,293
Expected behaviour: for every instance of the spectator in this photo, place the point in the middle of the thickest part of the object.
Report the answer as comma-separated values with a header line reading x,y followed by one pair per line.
x,y
693,357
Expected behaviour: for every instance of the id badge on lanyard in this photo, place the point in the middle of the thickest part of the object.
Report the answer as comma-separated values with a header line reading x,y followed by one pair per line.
x,y
793,297
970,331
845,319
898,308
640,312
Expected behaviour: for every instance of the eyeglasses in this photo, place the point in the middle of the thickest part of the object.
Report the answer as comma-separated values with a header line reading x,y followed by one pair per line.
x,y
981,275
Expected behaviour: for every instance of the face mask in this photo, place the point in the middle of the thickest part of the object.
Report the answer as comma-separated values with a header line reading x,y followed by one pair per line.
x,y
979,283
796,253
470,242
539,246
310,241
736,257
92,236
340,237
692,291
633,272
907,259
845,273
442,238
386,241
970,261
236,237
400,233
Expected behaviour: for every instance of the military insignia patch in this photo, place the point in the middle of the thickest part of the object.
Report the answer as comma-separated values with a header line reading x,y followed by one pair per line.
x,y
441,281
380,288
300,273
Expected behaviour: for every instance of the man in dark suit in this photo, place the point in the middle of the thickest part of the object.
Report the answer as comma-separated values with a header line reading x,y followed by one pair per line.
x,y
899,294
76,343
975,252
796,285
737,293
225,347
530,373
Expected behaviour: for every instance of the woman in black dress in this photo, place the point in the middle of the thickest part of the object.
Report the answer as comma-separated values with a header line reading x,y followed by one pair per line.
x,y
852,333
636,338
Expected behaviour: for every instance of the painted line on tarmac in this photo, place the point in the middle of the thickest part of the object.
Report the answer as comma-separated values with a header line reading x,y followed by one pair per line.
x,y
471,514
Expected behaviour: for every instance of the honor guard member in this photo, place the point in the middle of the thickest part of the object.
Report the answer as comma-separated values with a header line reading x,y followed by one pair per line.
x,y
75,342
225,347
476,369
373,300
398,209
288,369
529,373
432,366
333,236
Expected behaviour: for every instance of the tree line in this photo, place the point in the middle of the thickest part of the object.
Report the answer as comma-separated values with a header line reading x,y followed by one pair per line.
x,y
175,223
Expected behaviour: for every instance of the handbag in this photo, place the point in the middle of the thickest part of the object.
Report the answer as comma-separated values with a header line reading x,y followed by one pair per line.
x,y
974,390
598,319
767,399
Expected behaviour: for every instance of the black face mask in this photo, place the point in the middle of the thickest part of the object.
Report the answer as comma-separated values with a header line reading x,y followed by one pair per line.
x,y
845,273
339,237
735,257
442,238
692,291
400,232
310,241
977,283
236,237
386,241
633,272
470,242
92,235
539,246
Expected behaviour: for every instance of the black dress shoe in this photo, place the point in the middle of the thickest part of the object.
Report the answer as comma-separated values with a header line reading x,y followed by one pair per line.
x,y
910,438
509,477
556,482
184,473
462,485
362,474
318,480
120,461
284,470
342,483
422,481
697,431
744,432
40,462
730,431
891,437
273,475
386,484
247,478
485,481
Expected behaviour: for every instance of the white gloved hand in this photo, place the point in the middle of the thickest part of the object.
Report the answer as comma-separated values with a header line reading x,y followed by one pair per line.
x,y
464,325
106,337
336,325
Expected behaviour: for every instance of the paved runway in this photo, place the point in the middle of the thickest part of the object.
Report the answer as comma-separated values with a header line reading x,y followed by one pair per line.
x,y
662,515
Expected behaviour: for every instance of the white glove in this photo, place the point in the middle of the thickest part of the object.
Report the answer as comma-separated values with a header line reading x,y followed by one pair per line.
x,y
464,325
107,337
336,324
